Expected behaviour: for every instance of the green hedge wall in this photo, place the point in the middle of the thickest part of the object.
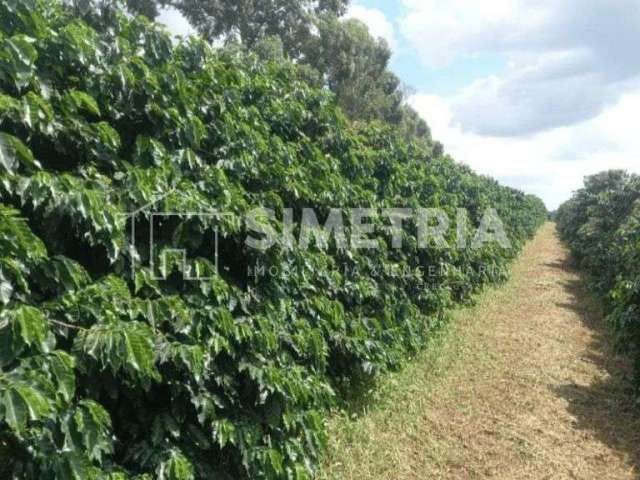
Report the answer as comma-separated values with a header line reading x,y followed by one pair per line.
x,y
601,225
105,374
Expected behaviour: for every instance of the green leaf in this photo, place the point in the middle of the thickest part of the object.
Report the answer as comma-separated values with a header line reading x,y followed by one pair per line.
x,y
14,410
6,290
176,467
22,403
62,367
36,113
21,328
60,274
89,428
84,101
224,432
21,46
120,346
18,241
275,460
189,357
21,55
13,153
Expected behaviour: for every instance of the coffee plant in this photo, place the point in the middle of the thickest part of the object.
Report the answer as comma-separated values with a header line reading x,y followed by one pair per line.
x,y
601,224
109,371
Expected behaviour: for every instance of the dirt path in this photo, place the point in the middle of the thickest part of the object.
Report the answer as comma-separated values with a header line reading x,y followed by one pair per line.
x,y
524,385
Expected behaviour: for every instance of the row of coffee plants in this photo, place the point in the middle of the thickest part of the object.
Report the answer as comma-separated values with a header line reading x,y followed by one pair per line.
x,y
116,144
601,224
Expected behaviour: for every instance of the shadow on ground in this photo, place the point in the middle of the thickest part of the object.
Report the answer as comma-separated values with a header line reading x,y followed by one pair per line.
x,y
607,408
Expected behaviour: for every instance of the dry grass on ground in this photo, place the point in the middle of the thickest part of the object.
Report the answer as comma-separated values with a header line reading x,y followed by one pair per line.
x,y
525,385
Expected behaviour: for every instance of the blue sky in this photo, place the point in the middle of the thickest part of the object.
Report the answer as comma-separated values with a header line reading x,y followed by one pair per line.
x,y
536,93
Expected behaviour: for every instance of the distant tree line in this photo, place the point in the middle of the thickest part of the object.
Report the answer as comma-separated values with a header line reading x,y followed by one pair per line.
x,y
332,52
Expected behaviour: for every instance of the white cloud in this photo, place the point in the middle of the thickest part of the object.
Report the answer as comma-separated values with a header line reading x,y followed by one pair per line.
x,y
538,163
377,22
175,22
442,30
567,60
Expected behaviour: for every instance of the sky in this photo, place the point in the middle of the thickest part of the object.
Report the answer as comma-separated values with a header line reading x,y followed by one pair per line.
x,y
535,93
